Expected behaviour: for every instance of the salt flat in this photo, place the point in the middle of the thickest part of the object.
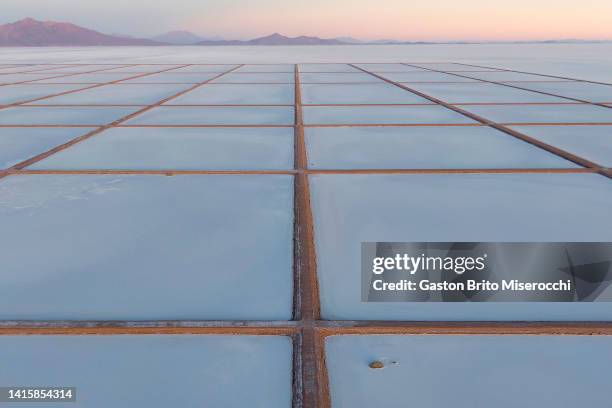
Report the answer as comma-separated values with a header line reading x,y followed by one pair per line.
x,y
226,190
589,61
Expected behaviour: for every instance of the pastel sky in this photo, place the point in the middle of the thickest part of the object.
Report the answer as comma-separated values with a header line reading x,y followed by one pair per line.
x,y
369,19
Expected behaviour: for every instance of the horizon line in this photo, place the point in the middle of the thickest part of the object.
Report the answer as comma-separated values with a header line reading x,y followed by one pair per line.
x,y
349,39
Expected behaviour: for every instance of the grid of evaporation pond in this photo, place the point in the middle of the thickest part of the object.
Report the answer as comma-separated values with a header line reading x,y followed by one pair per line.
x,y
509,108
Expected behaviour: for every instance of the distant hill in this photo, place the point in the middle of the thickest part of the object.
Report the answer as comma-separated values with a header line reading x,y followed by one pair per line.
x,y
277,39
178,37
33,33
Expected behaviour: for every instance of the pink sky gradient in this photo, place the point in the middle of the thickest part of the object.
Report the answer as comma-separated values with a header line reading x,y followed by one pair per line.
x,y
400,19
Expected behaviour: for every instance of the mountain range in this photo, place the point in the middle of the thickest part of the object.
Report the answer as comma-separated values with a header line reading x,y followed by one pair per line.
x,y
33,33
178,37
277,39
182,37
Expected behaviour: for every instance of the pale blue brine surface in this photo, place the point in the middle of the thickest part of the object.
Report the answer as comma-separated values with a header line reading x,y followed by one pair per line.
x,y
504,76
174,77
134,247
470,371
543,113
351,209
118,94
237,94
337,77
268,67
216,115
252,77
153,371
93,78
80,116
594,143
19,144
377,93
12,78
482,92
423,76
215,68
178,149
579,90
25,92
388,67
359,115
423,148
326,68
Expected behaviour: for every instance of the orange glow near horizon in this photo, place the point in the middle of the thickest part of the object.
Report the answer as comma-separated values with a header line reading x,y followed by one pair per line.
x,y
407,20
436,20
